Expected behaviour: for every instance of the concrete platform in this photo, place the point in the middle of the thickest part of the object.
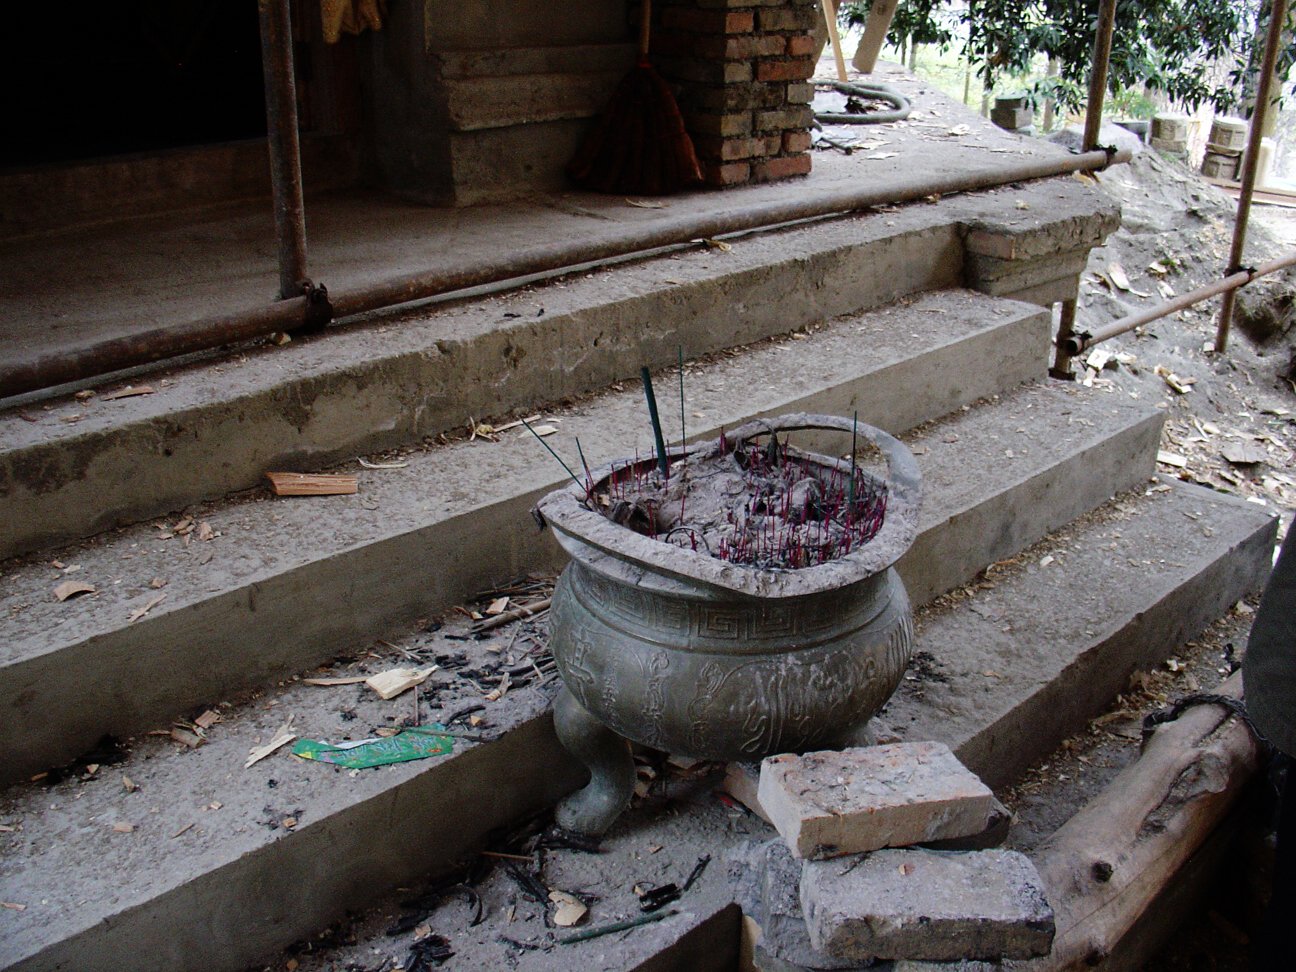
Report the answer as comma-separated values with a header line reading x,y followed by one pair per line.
x,y
278,592
91,890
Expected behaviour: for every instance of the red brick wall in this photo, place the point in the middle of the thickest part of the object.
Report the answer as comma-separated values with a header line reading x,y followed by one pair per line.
x,y
740,70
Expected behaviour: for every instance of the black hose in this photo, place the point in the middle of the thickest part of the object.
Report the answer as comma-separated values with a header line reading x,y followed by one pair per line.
x,y
873,92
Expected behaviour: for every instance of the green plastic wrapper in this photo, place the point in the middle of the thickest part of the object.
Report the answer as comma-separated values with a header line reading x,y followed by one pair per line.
x,y
408,745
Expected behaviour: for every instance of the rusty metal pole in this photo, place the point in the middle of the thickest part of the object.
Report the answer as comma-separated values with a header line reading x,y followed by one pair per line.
x,y
1277,19
285,150
1098,76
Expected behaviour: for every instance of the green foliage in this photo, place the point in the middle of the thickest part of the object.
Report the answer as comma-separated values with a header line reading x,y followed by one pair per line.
x,y
1163,45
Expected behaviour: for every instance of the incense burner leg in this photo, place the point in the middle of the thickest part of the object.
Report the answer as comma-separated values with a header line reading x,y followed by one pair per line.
x,y
612,771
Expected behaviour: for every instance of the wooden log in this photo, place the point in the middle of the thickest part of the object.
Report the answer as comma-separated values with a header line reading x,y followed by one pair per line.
x,y
311,484
1108,863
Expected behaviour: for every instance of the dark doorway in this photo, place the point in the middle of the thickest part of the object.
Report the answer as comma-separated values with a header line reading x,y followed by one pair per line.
x,y
89,78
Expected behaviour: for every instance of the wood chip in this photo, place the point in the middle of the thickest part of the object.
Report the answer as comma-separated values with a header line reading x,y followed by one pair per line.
x,y
543,430
141,612
207,719
1171,459
312,484
130,391
1244,454
130,785
190,739
498,606
157,583
205,532
283,737
182,830
72,588
392,683
365,463
337,680
570,909
123,828
13,907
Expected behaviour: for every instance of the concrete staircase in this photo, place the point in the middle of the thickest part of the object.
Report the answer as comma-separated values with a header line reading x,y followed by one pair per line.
x,y
204,864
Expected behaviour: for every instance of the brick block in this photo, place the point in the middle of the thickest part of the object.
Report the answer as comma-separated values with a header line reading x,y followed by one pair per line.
x,y
785,69
729,149
723,99
917,904
781,119
799,19
800,45
704,71
830,803
797,142
783,167
719,125
709,21
800,94
730,174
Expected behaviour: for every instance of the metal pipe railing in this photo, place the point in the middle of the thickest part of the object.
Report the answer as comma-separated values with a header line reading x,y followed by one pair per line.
x,y
75,364
1075,344
1277,20
284,145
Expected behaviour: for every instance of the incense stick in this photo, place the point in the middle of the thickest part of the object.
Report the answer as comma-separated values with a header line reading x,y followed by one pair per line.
x,y
662,462
683,434
552,453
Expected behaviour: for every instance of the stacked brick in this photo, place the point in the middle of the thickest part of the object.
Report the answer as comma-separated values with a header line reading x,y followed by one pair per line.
x,y
740,69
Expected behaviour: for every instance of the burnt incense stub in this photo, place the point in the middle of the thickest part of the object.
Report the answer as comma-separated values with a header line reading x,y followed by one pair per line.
x,y
674,648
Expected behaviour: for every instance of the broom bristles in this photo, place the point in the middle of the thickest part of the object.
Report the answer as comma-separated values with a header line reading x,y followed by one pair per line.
x,y
638,145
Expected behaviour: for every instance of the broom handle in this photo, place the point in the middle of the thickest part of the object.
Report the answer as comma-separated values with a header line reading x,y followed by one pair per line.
x,y
645,15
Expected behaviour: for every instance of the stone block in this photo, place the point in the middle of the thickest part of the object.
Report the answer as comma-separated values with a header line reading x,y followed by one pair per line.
x,y
1011,118
830,803
925,905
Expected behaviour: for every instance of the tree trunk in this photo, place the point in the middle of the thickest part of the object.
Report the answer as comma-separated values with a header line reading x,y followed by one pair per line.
x,y
1109,862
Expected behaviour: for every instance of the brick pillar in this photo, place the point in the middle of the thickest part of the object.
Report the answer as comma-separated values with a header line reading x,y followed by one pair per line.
x,y
739,68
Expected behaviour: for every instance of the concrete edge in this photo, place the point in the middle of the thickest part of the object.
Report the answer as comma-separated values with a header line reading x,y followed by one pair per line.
x,y
287,621
369,848
1004,749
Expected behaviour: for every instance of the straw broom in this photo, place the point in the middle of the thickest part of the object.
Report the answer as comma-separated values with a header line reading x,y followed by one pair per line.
x,y
638,144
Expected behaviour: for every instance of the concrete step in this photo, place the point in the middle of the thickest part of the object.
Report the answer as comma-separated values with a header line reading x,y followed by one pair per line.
x,y
297,582
289,582
70,468
212,876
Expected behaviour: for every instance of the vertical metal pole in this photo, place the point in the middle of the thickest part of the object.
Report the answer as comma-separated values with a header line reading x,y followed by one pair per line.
x,y
285,150
1066,327
1250,161
1098,76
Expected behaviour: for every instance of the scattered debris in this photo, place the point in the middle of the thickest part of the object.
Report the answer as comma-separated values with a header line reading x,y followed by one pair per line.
x,y
582,936
570,909
72,588
128,392
393,682
140,612
283,737
381,465
412,743
337,680
312,484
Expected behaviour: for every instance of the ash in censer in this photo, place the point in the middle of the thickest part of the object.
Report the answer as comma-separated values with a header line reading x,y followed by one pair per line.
x,y
764,506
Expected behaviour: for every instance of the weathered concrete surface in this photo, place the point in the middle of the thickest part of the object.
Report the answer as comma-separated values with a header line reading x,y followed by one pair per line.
x,y
919,904
1026,659
279,593
827,804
